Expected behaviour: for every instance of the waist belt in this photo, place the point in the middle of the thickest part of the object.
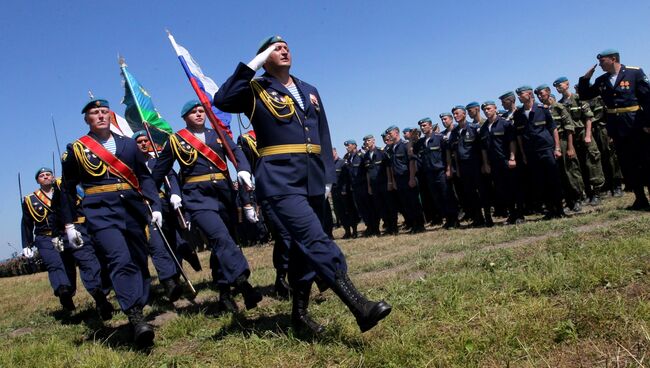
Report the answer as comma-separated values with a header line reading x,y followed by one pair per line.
x,y
206,177
289,148
621,110
45,233
107,188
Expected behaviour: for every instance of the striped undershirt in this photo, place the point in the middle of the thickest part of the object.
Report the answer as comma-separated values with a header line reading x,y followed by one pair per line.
x,y
296,94
109,144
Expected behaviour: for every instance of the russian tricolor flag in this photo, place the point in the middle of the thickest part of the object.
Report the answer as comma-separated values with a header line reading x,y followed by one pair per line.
x,y
206,86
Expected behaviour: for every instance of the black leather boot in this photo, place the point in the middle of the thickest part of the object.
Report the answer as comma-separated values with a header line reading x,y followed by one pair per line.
x,y
250,294
65,298
488,217
226,302
173,288
281,287
193,259
143,333
367,313
104,307
300,318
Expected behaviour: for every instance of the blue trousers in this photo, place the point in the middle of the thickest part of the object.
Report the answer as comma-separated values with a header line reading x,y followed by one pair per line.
x,y
442,194
160,256
86,259
227,260
53,262
315,251
125,251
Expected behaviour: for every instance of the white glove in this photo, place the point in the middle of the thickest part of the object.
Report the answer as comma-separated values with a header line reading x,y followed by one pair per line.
x,y
74,236
328,189
251,215
176,201
156,218
260,59
28,252
245,179
57,243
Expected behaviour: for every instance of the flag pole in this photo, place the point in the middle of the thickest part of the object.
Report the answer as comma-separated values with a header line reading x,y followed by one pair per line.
x,y
20,189
181,218
207,106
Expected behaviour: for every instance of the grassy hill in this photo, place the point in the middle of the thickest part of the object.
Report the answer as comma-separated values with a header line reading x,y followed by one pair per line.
x,y
572,292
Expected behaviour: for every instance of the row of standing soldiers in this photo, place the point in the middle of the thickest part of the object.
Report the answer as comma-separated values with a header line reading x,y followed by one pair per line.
x,y
533,158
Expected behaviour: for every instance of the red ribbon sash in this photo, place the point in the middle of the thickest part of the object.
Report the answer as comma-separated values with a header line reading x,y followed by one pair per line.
x,y
115,165
43,198
203,149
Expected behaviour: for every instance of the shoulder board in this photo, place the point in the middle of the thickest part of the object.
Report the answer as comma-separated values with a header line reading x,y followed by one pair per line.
x,y
632,67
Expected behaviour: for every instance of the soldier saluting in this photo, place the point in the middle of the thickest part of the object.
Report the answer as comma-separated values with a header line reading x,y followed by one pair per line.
x,y
625,91
294,173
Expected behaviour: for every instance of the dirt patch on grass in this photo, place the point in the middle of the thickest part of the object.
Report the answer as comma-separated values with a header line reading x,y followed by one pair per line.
x,y
21,331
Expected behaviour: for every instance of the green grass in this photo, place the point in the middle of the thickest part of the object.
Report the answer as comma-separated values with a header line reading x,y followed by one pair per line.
x,y
570,293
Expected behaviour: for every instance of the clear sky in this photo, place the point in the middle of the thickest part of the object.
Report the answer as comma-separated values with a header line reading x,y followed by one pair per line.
x,y
375,63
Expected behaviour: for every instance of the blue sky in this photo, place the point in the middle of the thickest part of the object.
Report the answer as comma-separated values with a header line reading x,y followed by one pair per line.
x,y
374,63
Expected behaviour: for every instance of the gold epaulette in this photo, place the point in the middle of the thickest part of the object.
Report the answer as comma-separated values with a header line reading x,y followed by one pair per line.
x,y
632,67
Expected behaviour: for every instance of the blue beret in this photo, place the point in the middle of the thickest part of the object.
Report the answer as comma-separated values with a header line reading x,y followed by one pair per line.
x,y
369,136
407,129
383,135
425,120
268,42
189,105
542,87
95,102
391,128
502,111
488,103
472,104
350,141
506,95
607,52
444,114
42,170
560,80
523,89
461,107
138,134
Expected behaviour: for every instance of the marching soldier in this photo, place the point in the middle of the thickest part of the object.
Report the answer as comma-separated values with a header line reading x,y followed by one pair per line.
x,y
625,91
281,237
163,263
295,171
119,202
208,198
586,147
37,225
